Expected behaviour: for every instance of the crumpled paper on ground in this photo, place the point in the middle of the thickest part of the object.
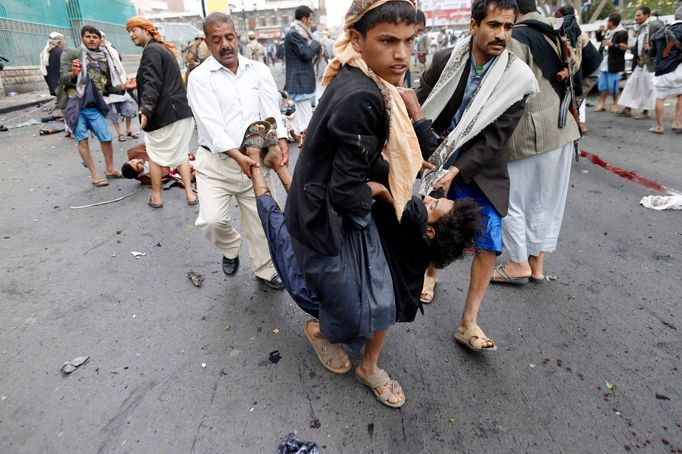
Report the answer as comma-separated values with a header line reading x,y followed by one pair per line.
x,y
662,202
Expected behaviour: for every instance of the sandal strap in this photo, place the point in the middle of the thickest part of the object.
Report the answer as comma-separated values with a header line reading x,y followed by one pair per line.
x,y
499,270
475,331
378,379
429,284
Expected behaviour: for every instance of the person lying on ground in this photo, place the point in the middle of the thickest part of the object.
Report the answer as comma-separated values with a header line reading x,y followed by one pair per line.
x,y
137,167
436,230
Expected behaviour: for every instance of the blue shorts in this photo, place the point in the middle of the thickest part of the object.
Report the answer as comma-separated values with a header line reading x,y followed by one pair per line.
x,y
608,82
490,238
91,118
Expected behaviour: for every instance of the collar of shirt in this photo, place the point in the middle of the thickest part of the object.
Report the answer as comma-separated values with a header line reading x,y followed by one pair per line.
x,y
215,65
225,103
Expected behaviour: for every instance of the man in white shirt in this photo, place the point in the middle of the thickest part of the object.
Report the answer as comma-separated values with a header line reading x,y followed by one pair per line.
x,y
227,93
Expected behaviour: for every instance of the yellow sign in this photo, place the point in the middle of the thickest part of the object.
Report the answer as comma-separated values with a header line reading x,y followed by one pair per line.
x,y
212,6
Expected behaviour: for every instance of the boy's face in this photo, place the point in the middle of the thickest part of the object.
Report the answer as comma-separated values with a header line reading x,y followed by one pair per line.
x,y
137,164
437,208
386,49
139,36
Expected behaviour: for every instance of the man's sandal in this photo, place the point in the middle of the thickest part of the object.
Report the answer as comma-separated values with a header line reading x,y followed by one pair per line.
x,y
474,338
254,135
134,135
378,382
500,276
115,174
428,290
121,138
99,182
327,352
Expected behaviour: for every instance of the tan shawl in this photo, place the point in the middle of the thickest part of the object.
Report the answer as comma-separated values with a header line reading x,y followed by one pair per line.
x,y
402,147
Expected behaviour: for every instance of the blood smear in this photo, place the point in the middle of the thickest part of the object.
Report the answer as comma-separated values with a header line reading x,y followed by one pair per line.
x,y
628,174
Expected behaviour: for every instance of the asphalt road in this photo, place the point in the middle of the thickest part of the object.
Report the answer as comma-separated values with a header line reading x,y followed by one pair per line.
x,y
175,368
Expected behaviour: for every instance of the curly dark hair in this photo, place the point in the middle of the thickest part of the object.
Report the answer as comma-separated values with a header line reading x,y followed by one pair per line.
x,y
128,171
455,232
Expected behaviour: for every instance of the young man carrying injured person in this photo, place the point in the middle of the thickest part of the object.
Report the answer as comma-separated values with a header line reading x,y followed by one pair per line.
x,y
430,231
328,212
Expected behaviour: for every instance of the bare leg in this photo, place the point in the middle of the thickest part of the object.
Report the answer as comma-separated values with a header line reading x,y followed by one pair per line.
x,y
614,106
481,271
108,152
155,174
186,173
369,364
602,102
273,156
659,113
677,120
117,128
129,128
84,151
537,265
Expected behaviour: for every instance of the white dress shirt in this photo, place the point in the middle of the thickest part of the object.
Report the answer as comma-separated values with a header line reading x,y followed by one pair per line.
x,y
224,104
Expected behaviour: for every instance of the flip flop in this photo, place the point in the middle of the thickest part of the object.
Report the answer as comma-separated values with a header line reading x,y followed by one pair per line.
x,y
155,205
641,117
194,202
379,380
116,174
465,335
134,135
506,278
535,281
327,352
428,289
99,182
121,138
656,130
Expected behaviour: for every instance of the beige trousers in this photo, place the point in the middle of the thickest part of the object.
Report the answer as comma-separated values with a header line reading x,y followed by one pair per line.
x,y
218,180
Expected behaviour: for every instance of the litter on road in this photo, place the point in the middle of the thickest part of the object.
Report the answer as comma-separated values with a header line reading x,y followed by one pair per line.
x,y
196,278
74,364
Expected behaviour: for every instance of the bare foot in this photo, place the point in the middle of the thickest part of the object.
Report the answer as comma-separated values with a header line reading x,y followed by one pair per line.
x,y
253,153
273,157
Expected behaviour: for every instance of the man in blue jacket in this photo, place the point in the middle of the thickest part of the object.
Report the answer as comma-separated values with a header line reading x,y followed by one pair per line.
x,y
300,53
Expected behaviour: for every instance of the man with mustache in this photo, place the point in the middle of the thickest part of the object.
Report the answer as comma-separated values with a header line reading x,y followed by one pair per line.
x,y
473,95
227,93
541,150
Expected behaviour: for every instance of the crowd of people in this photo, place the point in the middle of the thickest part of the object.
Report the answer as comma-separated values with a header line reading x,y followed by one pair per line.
x,y
656,72
354,247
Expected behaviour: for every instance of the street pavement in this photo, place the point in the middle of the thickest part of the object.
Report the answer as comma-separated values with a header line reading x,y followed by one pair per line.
x,y
176,368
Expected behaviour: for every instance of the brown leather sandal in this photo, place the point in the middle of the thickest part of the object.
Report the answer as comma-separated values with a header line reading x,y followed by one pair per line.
x,y
327,352
377,382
